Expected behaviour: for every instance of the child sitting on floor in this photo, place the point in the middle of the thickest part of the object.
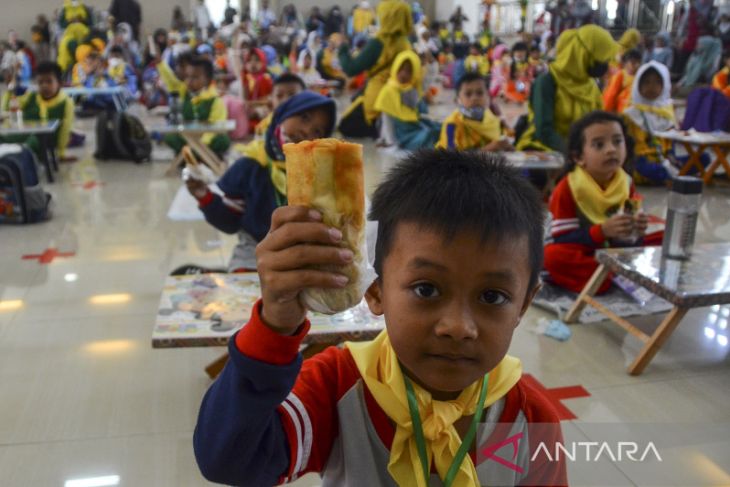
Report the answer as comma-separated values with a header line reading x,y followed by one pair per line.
x,y
651,111
458,254
517,88
200,102
285,86
476,61
596,204
255,185
617,95
472,125
721,81
401,104
256,86
47,103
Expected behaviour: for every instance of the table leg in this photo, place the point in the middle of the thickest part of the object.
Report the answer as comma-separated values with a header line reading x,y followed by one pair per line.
x,y
721,159
208,157
214,368
694,159
657,339
54,157
43,141
589,290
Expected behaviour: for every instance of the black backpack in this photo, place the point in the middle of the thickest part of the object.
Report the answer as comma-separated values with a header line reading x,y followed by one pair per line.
x,y
121,136
22,198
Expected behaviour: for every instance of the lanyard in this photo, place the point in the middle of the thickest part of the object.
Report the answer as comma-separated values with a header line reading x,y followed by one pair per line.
x,y
465,443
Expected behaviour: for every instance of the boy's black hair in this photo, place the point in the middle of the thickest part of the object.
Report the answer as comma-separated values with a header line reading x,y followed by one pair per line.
x,y
477,46
468,77
184,58
520,46
117,50
631,55
535,48
49,67
577,138
451,191
204,64
286,78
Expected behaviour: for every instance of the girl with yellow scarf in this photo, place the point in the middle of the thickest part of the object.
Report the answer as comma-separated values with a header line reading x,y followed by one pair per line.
x,y
596,204
568,91
401,101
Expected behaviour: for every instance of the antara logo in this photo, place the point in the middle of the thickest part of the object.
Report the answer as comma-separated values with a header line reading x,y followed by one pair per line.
x,y
623,449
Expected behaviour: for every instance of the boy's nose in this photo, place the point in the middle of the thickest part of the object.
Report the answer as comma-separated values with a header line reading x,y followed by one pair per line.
x,y
458,323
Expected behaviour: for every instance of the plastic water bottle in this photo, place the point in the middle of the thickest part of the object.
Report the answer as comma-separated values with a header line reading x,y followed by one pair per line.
x,y
682,210
175,115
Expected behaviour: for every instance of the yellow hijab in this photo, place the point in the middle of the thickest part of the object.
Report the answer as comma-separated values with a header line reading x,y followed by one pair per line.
x,y
381,372
595,202
577,49
394,18
629,40
389,99
470,134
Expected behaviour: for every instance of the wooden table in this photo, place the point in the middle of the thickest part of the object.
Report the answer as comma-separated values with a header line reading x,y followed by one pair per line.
x,y
703,280
552,163
44,131
193,132
205,310
696,143
119,94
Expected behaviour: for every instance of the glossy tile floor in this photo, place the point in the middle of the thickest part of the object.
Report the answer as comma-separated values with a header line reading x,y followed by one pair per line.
x,y
82,393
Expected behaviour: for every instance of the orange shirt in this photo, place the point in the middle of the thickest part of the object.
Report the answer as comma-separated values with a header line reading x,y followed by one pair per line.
x,y
617,94
721,81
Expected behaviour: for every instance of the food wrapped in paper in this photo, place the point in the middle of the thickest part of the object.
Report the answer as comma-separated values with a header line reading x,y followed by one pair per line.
x,y
327,175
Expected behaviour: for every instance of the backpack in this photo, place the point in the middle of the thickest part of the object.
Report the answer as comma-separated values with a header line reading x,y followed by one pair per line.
x,y
708,110
22,198
120,135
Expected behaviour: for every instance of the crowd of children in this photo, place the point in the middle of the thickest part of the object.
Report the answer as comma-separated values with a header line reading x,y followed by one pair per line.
x,y
279,87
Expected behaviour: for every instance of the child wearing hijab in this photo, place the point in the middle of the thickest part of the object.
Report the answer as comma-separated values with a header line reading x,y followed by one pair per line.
x,y
476,61
255,185
400,102
306,69
649,112
501,61
568,91
517,88
662,51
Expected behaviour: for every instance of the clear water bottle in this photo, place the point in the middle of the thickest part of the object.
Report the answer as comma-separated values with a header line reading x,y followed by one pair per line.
x,y
682,210
175,108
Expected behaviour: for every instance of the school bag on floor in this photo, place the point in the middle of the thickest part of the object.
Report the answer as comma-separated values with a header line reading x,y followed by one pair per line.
x,y
22,198
120,135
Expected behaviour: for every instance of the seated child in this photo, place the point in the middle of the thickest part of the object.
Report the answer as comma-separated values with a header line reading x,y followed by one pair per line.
x,y
47,103
537,64
472,125
476,61
617,95
651,111
306,69
328,63
721,81
500,73
458,254
117,73
517,88
120,73
257,86
255,185
596,204
400,102
285,86
199,100
81,69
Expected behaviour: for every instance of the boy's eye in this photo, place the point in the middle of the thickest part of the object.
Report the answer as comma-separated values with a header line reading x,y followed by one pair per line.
x,y
425,291
494,297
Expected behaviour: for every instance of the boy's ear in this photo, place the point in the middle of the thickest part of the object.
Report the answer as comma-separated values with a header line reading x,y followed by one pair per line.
x,y
374,298
528,299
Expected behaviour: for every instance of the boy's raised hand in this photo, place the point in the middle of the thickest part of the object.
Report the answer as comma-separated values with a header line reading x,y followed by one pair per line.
x,y
296,241
618,226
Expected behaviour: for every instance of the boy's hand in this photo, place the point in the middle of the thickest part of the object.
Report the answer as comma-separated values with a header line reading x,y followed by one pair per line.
x,y
197,188
297,240
501,145
641,223
618,226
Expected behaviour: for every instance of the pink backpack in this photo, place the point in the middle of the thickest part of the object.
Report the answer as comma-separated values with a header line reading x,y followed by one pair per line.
x,y
237,112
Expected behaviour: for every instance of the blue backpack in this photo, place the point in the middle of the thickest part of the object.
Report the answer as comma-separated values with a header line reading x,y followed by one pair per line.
x,y
22,198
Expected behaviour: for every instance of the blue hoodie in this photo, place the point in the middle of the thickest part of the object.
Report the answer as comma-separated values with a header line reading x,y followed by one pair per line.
x,y
250,195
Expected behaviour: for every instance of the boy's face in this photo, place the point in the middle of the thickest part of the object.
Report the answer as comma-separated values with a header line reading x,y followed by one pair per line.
x,y
473,94
195,78
282,92
474,51
520,56
632,66
451,306
405,73
308,125
48,85
535,54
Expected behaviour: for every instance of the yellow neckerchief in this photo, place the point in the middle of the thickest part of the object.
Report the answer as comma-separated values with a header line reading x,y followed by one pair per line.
x,y
45,105
593,201
257,150
389,98
470,134
479,62
378,365
263,125
118,72
204,94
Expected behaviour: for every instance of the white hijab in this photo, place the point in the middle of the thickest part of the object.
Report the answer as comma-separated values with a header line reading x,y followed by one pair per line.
x,y
640,110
